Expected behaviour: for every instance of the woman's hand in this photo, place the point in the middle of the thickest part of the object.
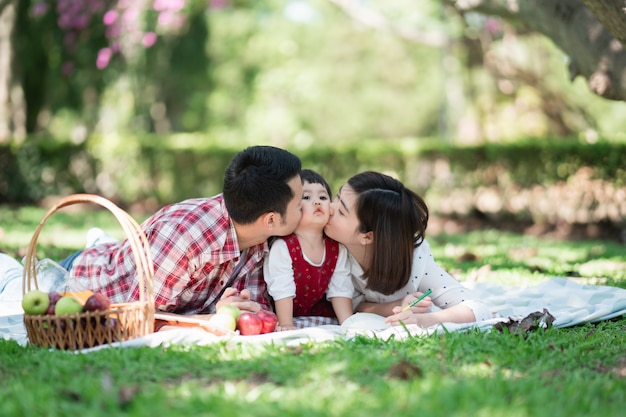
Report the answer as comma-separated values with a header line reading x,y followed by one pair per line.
x,y
457,314
407,317
241,300
419,308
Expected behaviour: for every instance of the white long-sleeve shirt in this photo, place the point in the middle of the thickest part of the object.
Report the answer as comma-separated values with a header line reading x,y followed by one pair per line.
x,y
278,273
425,274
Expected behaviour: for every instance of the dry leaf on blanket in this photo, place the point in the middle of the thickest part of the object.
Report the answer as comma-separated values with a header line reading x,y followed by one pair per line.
x,y
533,321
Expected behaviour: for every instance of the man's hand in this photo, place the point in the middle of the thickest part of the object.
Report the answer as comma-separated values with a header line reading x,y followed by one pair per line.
x,y
241,300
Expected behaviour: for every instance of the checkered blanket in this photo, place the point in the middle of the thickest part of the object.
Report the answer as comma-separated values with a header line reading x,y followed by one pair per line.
x,y
570,303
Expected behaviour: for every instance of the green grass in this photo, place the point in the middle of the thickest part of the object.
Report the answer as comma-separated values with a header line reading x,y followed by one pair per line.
x,y
578,371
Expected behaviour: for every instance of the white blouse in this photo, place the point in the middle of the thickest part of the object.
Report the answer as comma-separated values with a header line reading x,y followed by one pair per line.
x,y
278,273
425,274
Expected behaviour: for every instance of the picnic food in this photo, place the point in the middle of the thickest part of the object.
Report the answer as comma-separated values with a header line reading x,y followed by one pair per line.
x,y
35,302
122,321
249,324
53,296
97,302
269,320
80,296
67,305
230,310
224,321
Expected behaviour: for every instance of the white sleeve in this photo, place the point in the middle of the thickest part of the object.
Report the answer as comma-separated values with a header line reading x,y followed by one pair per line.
x,y
341,282
278,271
482,311
447,291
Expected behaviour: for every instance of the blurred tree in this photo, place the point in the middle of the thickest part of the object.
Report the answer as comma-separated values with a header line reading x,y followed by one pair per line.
x,y
293,72
12,103
591,32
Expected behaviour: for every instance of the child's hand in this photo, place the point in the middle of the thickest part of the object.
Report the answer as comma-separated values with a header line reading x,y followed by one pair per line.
x,y
285,327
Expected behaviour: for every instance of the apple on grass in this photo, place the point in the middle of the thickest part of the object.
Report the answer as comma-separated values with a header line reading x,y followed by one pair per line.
x,y
35,302
249,324
269,319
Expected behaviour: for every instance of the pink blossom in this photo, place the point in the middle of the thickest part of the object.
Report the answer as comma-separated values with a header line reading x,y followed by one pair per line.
x,y
81,21
109,17
104,56
125,4
63,5
166,18
130,15
112,32
67,68
149,39
96,6
218,4
64,21
493,26
172,5
39,9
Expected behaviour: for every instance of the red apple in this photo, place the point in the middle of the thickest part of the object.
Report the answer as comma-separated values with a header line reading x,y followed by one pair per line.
x,y
97,302
249,324
53,296
269,321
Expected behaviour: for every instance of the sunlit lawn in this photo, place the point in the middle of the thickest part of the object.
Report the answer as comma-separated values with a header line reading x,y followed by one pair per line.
x,y
579,371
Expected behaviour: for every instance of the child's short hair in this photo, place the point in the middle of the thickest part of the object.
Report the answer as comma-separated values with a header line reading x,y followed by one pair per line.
x,y
313,177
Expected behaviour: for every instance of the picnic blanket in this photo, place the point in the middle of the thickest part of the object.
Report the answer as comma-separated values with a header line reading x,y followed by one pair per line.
x,y
570,302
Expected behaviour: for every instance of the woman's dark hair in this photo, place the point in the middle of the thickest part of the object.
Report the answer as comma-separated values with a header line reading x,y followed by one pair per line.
x,y
255,182
312,177
398,218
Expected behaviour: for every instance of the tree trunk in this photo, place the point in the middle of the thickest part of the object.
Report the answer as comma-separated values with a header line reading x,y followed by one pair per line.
x,y
612,13
12,105
594,51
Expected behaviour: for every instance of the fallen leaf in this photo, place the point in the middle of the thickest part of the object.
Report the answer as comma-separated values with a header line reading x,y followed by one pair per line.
x,y
532,322
405,370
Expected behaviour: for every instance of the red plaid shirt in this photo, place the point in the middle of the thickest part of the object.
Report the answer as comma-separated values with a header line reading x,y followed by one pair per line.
x,y
194,248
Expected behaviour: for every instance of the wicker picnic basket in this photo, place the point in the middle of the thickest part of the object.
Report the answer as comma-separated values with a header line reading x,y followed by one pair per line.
x,y
122,321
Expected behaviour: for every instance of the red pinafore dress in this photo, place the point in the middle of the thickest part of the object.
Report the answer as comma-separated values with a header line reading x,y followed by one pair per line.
x,y
312,281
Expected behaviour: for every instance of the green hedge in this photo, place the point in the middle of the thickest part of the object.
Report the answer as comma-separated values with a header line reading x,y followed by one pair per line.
x,y
539,181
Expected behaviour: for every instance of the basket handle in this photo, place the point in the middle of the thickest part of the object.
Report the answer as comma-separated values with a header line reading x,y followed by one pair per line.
x,y
136,238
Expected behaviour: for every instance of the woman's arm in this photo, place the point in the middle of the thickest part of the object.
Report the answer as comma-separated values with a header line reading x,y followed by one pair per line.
x,y
387,309
382,309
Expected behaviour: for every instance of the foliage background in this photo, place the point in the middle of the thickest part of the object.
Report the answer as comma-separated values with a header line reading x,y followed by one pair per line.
x,y
491,115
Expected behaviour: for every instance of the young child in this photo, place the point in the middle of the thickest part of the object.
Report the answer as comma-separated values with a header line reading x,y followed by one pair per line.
x,y
306,269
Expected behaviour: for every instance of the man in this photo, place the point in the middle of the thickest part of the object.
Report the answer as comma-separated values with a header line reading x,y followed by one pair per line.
x,y
207,251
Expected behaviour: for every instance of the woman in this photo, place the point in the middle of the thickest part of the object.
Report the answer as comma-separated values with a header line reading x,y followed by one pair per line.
x,y
383,224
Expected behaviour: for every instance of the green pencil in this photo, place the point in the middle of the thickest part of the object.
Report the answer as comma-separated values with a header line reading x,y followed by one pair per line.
x,y
417,300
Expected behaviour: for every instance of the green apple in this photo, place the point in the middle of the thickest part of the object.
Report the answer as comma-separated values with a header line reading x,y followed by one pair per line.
x,y
35,302
67,305
223,321
231,310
